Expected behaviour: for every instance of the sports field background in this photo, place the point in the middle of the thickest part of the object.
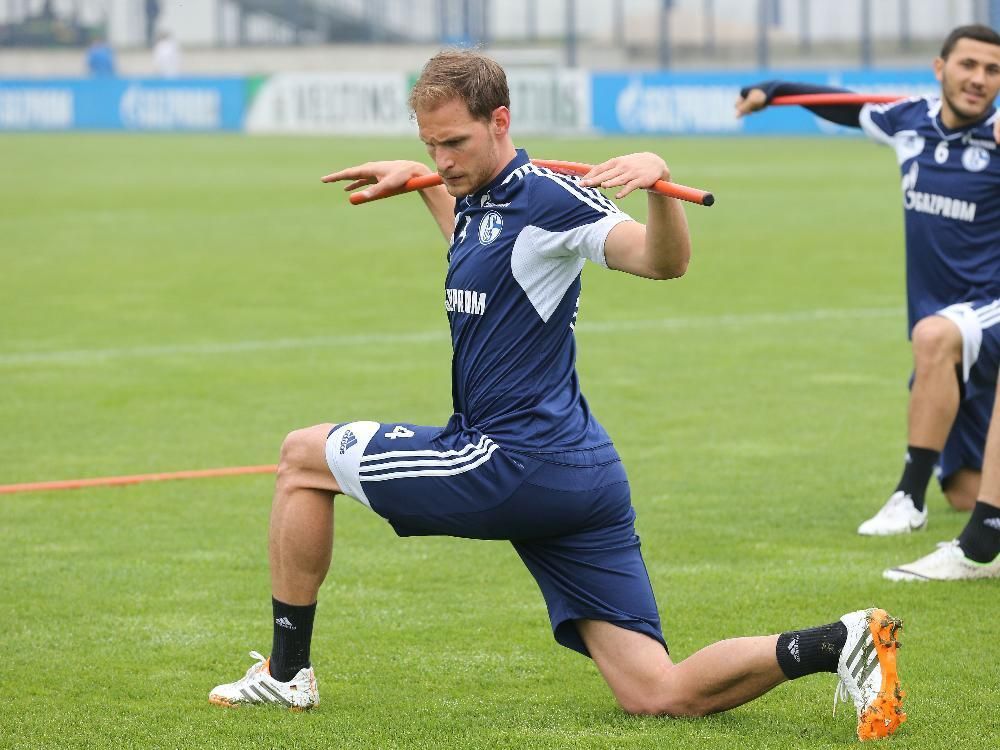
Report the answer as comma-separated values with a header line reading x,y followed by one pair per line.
x,y
174,303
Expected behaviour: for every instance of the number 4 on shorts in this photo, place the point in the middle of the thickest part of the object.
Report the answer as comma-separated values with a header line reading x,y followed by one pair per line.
x,y
399,432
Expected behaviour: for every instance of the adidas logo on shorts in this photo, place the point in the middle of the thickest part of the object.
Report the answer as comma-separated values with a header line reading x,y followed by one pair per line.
x,y
347,441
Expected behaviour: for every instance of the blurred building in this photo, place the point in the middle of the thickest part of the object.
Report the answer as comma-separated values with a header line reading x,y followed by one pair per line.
x,y
260,36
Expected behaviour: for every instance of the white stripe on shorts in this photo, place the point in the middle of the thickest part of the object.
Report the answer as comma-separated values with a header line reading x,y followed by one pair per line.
x,y
426,453
989,315
440,469
372,469
971,325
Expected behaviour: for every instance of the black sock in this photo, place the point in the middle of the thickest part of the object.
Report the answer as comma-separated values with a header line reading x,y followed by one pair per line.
x,y
293,628
917,473
980,539
802,652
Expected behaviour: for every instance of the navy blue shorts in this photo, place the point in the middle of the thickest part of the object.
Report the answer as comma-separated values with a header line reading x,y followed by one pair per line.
x,y
979,322
569,515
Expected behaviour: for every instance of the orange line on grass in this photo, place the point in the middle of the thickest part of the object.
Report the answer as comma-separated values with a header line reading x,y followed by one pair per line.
x,y
74,484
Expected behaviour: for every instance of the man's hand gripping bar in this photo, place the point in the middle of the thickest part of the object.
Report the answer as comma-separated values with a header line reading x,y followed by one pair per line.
x,y
671,189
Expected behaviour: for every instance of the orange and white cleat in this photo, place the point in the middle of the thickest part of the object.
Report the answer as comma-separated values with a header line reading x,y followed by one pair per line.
x,y
868,673
258,687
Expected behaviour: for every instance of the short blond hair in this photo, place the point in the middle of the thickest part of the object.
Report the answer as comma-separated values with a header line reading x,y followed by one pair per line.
x,y
478,81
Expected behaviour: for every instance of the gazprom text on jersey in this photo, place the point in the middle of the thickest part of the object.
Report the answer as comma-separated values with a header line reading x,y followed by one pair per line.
x,y
465,301
939,205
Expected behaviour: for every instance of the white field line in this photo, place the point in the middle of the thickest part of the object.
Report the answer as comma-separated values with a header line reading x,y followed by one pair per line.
x,y
585,328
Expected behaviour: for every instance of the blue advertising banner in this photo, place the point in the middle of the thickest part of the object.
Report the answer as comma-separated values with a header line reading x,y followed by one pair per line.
x,y
655,103
192,104
702,103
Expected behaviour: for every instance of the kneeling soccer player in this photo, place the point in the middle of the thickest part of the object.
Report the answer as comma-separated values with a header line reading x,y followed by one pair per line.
x,y
946,147
523,459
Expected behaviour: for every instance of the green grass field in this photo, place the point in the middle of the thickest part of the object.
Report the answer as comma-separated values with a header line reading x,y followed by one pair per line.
x,y
173,303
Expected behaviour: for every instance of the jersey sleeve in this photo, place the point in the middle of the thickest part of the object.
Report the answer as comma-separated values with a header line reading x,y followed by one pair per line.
x,y
569,220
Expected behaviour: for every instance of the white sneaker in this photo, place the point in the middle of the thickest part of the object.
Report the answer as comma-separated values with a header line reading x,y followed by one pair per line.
x,y
867,671
898,516
946,563
257,686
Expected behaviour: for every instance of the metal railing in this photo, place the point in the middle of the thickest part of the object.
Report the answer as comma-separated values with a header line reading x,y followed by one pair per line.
x,y
664,33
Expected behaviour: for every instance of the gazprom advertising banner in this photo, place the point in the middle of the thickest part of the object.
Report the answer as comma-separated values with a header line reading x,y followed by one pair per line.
x,y
546,101
194,104
702,103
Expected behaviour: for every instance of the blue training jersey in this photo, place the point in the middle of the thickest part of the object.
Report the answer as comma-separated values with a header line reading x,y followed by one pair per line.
x,y
512,294
951,198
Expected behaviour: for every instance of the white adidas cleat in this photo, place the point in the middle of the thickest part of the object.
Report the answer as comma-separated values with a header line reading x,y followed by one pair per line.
x,y
257,687
946,563
867,671
898,516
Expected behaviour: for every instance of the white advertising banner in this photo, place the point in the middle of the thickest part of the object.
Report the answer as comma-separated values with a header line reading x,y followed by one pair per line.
x,y
331,103
544,102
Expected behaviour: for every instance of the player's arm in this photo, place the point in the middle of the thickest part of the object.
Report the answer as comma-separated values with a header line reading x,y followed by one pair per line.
x,y
756,97
379,178
658,249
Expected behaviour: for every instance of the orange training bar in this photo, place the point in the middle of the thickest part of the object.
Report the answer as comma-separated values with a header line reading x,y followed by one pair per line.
x,y
825,100
74,484
671,189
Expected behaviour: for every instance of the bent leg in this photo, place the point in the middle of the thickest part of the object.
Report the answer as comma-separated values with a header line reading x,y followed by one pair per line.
x,y
962,488
301,529
977,551
935,396
645,681
989,491
980,539
300,540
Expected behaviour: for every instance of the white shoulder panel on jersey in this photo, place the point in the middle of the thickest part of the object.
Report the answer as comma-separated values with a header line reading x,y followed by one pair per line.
x,y
868,125
872,118
546,263
907,143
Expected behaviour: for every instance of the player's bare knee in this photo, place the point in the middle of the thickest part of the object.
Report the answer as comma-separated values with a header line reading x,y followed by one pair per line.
x,y
663,704
962,488
293,451
936,339
639,707
288,459
641,701
677,701
665,696
960,498
299,455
